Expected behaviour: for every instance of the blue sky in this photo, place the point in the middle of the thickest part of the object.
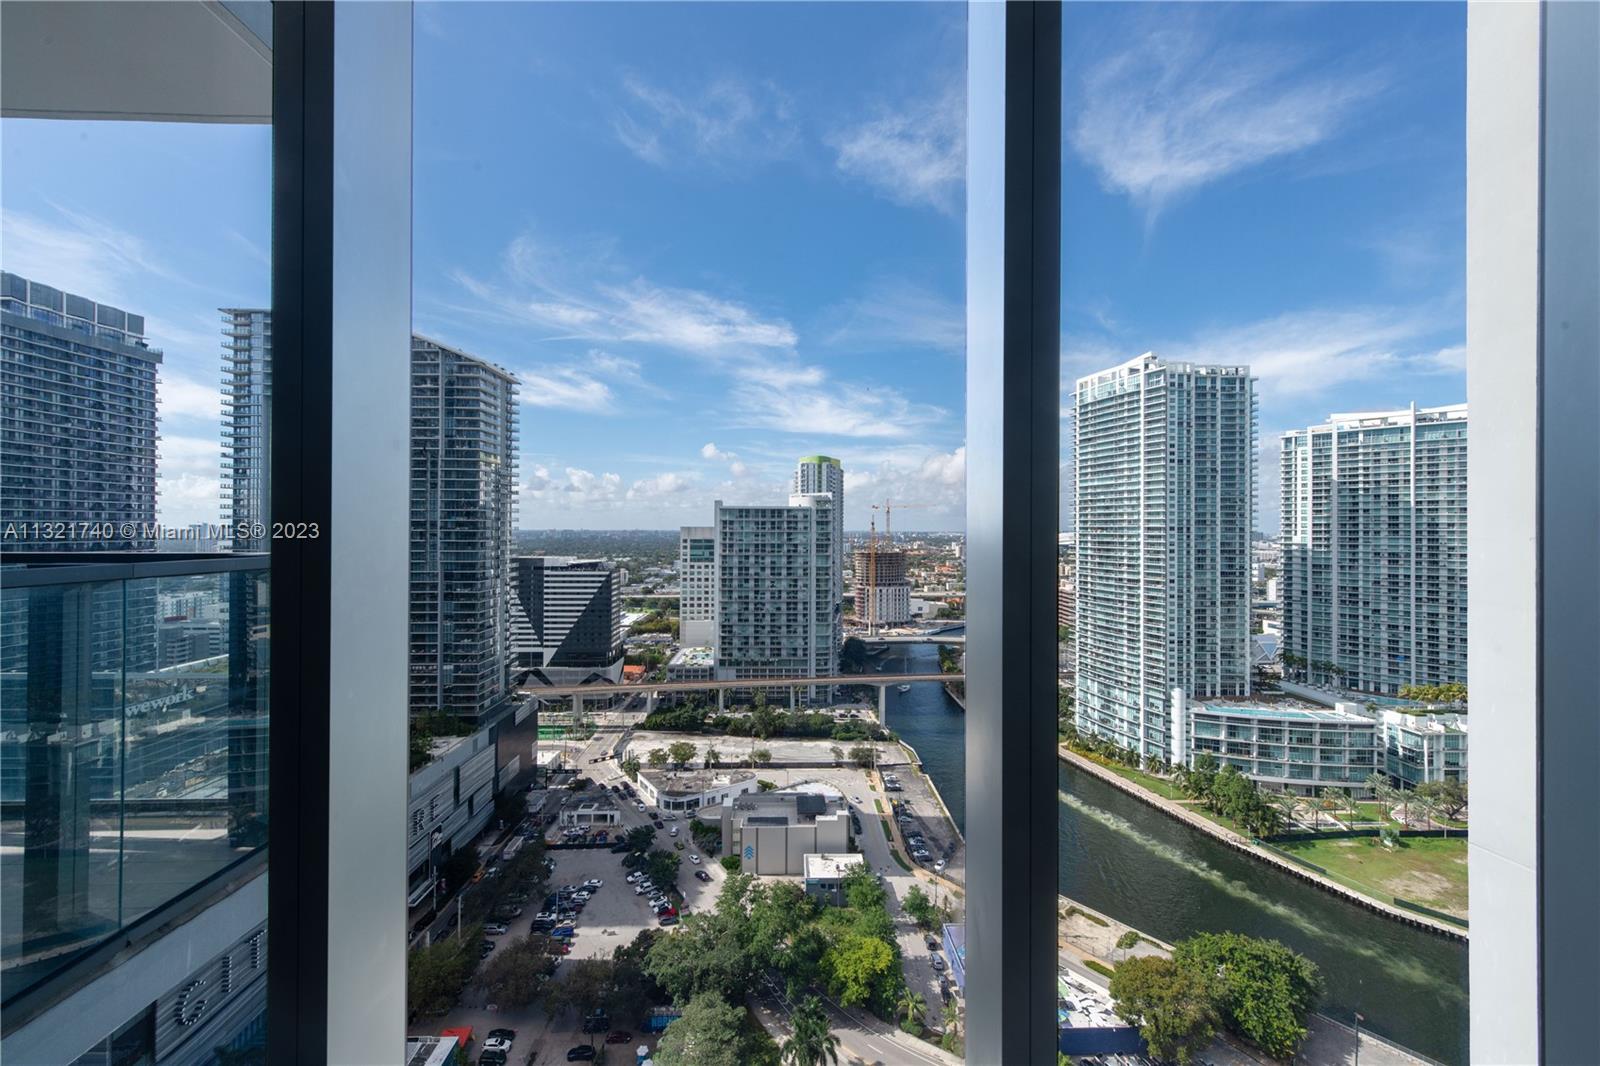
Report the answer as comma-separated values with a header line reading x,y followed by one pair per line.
x,y
713,238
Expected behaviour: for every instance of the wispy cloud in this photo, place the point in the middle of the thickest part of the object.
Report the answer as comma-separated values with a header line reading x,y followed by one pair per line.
x,y
1300,354
794,398
736,466
724,123
190,480
896,313
587,305
914,152
928,487
1179,108
180,395
589,385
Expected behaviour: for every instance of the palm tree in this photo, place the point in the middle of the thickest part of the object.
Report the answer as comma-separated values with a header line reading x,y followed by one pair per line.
x,y
812,1043
952,1019
910,1005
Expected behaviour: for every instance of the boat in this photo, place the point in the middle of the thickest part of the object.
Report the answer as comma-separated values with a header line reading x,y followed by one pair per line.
x,y
903,688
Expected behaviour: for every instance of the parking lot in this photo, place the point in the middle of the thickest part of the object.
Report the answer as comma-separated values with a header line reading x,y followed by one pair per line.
x,y
615,915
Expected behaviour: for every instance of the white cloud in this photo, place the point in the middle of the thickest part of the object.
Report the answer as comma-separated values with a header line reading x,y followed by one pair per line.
x,y
802,400
724,123
180,395
1303,353
566,388
913,153
895,313
188,480
651,488
711,451
1178,109
927,487
586,306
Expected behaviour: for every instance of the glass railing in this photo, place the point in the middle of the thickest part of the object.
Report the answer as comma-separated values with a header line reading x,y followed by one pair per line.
x,y
133,742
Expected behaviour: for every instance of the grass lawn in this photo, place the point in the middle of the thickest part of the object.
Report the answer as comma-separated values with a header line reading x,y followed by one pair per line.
x,y
1427,870
895,855
1160,786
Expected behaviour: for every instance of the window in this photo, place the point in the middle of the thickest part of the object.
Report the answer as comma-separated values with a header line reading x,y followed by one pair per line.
x,y
135,618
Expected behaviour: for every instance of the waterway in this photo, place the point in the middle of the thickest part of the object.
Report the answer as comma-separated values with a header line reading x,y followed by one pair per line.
x,y
1128,860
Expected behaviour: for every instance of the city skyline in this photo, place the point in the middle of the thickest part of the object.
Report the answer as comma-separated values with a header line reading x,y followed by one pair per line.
x,y
616,252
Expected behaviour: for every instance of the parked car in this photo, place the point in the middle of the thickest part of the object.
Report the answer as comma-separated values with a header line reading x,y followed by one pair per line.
x,y
703,876
508,911
659,824
939,866
499,1040
932,942
672,832
562,932
640,806
671,919
938,964
495,929
635,877
694,858
621,1036
593,883
581,1053
485,949
492,1058
669,816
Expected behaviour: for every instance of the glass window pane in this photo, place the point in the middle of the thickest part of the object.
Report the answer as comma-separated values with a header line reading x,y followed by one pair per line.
x,y
1263,549
687,511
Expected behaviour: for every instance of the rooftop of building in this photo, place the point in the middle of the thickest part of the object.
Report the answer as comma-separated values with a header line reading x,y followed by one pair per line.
x,y
693,782
1285,711
831,866
564,562
693,656
802,806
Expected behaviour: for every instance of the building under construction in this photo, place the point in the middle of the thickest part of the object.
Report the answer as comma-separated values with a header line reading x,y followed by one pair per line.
x,y
882,587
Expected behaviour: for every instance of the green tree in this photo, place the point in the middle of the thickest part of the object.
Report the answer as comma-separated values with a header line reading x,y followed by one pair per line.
x,y
1449,796
680,752
436,974
662,866
730,863
919,907
1127,942
812,1043
640,837
856,967
657,758
861,755
706,954
760,756
838,754
1265,990
1175,1007
909,1007
633,990
713,757
587,985
630,766
518,971
711,1032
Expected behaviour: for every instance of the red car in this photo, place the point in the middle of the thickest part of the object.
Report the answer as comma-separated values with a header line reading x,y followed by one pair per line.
x,y
621,1036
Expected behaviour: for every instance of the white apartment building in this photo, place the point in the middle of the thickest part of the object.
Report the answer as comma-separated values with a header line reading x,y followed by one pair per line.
x,y
1419,748
697,585
779,573
1301,749
1165,464
1374,572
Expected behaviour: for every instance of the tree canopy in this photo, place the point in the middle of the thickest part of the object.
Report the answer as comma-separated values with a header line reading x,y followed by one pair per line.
x,y
1265,990
1174,1006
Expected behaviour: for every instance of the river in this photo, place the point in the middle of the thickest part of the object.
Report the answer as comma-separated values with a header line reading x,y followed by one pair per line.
x,y
1128,860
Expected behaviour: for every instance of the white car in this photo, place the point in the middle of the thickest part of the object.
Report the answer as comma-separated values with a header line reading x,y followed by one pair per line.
x,y
593,883
497,1043
669,817
694,859
658,901
673,832
495,929
639,805
635,877
939,866
642,887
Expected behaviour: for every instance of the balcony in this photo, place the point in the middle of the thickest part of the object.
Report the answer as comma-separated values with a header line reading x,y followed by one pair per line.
x,y
130,774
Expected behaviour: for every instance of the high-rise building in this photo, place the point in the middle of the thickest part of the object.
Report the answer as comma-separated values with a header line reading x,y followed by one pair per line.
x,y
463,497
78,428
1164,456
882,586
824,473
566,619
777,612
1374,582
246,426
697,586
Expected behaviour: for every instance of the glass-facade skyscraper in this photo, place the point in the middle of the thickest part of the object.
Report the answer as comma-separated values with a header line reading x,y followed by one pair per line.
x,y
1375,549
463,499
1165,465
246,425
78,426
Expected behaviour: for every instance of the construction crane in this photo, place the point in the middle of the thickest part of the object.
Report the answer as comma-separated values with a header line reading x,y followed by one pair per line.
x,y
872,555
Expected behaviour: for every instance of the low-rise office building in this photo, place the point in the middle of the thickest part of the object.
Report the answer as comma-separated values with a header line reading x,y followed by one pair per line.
x,y
1299,748
825,874
449,801
690,790
773,832
1419,748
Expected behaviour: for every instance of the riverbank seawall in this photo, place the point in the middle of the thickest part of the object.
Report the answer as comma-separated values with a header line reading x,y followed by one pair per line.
x,y
1240,843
